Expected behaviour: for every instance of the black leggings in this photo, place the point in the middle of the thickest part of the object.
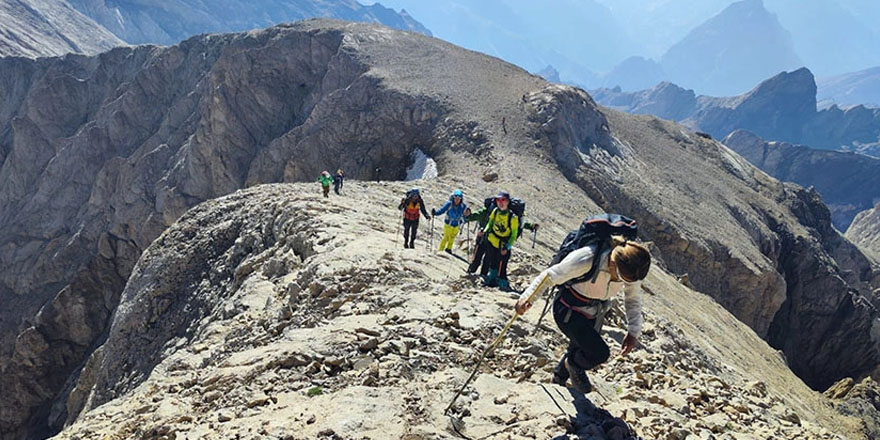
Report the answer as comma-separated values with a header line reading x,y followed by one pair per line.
x,y
586,348
410,237
479,253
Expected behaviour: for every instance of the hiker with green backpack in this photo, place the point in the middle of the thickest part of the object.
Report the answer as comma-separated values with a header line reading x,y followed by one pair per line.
x,y
593,264
325,180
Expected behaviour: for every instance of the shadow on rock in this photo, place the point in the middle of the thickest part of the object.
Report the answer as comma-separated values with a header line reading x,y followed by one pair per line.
x,y
589,421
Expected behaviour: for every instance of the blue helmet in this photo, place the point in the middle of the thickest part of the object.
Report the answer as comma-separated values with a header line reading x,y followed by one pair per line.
x,y
457,193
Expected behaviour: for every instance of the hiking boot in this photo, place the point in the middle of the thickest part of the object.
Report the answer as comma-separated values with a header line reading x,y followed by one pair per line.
x,y
504,284
578,377
560,373
491,279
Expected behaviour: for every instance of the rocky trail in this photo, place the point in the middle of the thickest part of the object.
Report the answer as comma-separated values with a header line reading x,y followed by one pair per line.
x,y
274,313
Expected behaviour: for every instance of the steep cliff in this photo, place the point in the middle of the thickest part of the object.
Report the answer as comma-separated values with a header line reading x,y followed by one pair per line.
x,y
848,182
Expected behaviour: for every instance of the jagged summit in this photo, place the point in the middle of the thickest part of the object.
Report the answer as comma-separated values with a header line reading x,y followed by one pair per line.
x,y
710,58
125,143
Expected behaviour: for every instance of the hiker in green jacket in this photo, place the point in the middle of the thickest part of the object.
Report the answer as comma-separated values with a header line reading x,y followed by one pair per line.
x,y
482,218
325,180
500,234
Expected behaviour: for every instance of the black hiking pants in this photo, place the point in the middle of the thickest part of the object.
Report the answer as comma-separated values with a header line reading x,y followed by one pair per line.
x,y
336,187
410,227
494,260
586,348
477,260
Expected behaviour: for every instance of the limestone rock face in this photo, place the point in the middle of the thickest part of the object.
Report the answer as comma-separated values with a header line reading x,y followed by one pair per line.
x,y
762,249
865,231
42,28
848,182
100,155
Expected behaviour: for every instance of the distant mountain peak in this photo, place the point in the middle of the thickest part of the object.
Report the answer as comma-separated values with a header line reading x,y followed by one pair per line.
x,y
725,55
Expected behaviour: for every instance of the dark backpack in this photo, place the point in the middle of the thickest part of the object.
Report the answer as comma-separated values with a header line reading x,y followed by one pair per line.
x,y
598,230
516,206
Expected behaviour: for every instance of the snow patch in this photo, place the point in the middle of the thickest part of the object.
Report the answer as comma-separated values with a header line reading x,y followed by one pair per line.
x,y
423,167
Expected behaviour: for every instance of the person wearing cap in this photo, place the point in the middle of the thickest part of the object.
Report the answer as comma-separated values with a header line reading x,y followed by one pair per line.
x,y
456,211
325,180
500,235
481,216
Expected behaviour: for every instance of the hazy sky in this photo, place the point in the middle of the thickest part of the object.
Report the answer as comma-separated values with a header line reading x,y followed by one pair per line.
x,y
830,36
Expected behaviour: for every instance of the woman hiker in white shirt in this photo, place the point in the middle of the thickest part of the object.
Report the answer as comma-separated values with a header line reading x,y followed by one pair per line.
x,y
577,306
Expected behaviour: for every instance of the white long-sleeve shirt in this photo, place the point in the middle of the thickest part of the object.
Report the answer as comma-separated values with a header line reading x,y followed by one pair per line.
x,y
578,263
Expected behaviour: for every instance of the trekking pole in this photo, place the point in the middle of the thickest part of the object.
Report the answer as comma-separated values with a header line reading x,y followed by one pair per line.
x,y
431,245
493,345
468,246
543,312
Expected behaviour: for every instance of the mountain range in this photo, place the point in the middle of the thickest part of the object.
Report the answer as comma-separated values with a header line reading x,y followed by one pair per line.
x,y
34,28
39,28
782,108
170,21
857,88
140,304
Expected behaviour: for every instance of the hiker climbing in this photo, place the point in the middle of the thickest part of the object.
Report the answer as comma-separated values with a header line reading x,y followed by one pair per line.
x,y
412,206
593,264
456,211
482,218
500,234
337,181
325,180
378,173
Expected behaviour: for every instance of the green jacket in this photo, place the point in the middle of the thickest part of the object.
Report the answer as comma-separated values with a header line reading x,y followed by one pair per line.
x,y
482,217
502,229
325,180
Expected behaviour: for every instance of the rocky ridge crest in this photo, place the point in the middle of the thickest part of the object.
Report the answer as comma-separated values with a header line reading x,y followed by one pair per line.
x,y
274,313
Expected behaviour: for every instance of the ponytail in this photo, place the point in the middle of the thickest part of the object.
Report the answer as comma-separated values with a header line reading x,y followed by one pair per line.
x,y
633,260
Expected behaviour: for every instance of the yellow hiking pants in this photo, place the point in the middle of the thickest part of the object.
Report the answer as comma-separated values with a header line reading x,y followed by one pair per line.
x,y
449,234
